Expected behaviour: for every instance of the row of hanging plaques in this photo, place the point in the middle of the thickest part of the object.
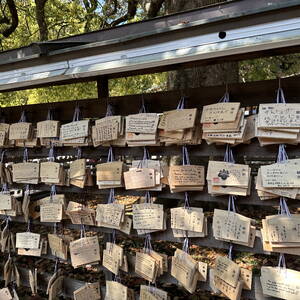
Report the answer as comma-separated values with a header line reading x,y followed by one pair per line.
x,y
226,277
221,177
232,179
220,123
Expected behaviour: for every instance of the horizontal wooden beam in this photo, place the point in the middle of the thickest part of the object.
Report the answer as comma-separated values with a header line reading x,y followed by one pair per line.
x,y
195,197
167,42
249,94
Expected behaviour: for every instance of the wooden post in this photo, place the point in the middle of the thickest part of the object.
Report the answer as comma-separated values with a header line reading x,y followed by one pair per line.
x,y
102,87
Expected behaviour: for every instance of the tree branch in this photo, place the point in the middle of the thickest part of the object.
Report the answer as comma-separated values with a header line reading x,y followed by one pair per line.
x,y
131,12
4,20
41,20
111,11
90,7
14,19
154,8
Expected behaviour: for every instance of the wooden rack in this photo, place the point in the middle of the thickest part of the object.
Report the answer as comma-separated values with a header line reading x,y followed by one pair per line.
x,y
254,155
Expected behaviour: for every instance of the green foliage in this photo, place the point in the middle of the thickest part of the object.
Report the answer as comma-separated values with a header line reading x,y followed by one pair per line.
x,y
66,18
70,17
138,84
270,67
118,87
70,92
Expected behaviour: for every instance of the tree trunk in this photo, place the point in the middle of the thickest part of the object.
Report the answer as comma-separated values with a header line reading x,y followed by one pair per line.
x,y
90,7
217,74
41,20
13,22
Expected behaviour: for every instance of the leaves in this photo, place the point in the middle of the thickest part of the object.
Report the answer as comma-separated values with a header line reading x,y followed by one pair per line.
x,y
138,84
64,18
269,67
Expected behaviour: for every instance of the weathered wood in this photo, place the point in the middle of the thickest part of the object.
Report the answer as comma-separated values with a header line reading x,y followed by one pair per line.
x,y
102,87
243,152
185,25
194,196
250,93
71,284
